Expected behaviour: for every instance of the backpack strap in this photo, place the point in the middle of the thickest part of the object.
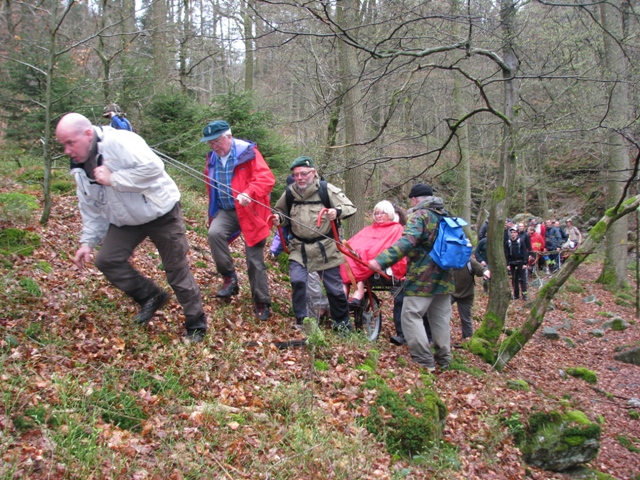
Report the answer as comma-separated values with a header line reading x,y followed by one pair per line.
x,y
324,194
323,191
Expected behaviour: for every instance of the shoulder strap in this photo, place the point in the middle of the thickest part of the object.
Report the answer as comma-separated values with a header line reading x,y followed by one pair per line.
x,y
322,191
324,194
289,197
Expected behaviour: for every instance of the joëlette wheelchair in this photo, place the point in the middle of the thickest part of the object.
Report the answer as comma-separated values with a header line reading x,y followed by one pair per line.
x,y
367,318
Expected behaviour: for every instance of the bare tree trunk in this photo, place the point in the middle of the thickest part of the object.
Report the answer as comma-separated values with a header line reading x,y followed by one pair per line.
x,y
499,293
159,41
464,165
52,59
614,270
353,116
183,53
248,45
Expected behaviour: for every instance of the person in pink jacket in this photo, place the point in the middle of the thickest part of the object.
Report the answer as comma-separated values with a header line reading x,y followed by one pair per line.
x,y
368,243
239,183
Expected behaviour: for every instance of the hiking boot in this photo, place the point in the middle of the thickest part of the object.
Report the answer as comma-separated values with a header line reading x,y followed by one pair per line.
x,y
398,340
355,302
298,324
262,311
149,307
525,297
195,336
229,286
342,329
323,313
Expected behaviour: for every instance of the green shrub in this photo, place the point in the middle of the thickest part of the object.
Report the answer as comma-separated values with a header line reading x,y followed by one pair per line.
x,y
408,424
17,207
14,240
30,286
62,187
321,366
515,426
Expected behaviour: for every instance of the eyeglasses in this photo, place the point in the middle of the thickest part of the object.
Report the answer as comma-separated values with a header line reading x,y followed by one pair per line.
x,y
302,174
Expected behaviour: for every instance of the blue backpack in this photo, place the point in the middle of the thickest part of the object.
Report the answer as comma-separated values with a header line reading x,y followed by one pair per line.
x,y
451,248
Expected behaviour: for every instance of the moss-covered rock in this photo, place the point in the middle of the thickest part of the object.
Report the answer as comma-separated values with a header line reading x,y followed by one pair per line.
x,y
518,385
629,355
616,324
587,375
557,441
408,423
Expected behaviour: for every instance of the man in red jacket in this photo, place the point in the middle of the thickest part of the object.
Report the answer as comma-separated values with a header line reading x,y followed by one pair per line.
x,y
239,185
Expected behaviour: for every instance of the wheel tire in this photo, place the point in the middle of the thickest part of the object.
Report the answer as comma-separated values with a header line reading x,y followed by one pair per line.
x,y
366,320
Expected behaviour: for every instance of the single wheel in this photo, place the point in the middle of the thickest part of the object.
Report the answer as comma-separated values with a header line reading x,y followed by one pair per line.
x,y
369,318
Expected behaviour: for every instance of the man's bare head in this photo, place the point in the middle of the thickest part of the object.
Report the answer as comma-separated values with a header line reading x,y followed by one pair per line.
x,y
75,133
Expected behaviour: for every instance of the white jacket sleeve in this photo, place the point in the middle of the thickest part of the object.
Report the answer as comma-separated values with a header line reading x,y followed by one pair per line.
x,y
134,167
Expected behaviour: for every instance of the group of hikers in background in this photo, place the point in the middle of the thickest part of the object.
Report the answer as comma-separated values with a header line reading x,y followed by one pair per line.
x,y
539,246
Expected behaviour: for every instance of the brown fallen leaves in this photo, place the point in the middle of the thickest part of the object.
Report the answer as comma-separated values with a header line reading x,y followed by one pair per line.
x,y
227,381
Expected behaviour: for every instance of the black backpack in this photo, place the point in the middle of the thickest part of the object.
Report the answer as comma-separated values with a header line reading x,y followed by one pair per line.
x,y
322,191
324,200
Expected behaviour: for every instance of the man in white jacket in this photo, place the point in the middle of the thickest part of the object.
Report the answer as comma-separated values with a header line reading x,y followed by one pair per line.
x,y
125,196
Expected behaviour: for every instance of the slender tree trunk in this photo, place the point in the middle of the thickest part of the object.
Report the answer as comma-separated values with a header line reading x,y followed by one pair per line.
x,y
499,290
248,45
183,53
52,59
614,271
159,41
353,116
464,165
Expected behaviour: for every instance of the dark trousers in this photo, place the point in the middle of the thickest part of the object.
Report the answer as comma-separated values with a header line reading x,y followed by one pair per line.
x,y
332,281
518,279
465,305
223,226
168,235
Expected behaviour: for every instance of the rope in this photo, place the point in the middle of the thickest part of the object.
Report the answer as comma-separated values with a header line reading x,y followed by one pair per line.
x,y
197,174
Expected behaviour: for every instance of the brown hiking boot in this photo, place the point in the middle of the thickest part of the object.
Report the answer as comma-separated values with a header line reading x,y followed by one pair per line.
x,y
262,311
229,287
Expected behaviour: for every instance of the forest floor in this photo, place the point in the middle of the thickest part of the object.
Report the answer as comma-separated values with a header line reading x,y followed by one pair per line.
x,y
86,394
